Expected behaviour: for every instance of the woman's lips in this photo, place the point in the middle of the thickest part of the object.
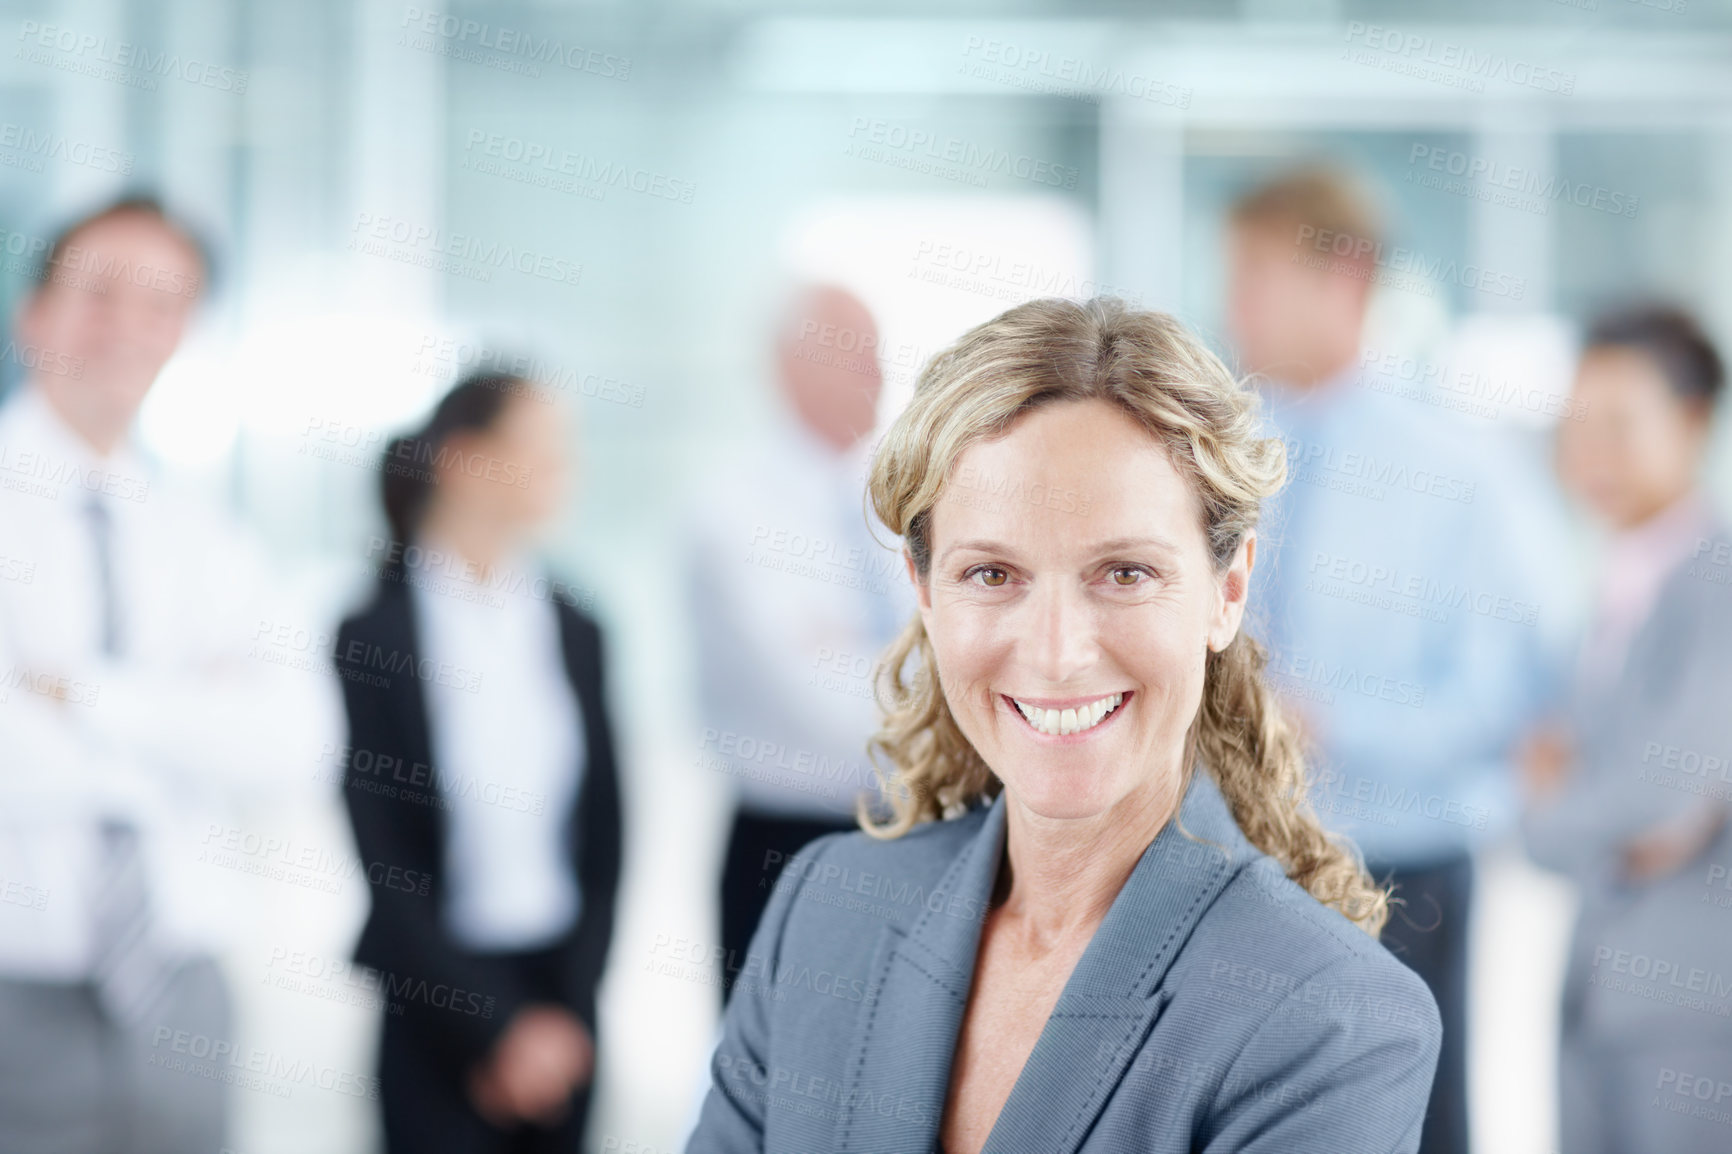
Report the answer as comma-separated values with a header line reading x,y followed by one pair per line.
x,y
1070,717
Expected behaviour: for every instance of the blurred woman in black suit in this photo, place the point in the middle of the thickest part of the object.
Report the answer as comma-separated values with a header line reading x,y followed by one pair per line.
x,y
481,780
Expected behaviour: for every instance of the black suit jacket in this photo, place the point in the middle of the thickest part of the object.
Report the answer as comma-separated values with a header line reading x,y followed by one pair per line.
x,y
462,998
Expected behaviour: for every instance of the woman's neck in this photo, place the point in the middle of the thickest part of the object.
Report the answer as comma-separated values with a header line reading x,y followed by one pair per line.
x,y
1066,872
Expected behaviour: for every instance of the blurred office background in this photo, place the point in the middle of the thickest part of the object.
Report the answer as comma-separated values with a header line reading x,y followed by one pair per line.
x,y
670,176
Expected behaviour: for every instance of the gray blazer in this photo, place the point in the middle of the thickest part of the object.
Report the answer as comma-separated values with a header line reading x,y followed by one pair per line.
x,y
1219,1008
1652,962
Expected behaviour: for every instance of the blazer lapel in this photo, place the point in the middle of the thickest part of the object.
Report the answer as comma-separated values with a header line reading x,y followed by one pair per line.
x,y
399,633
1109,1004
408,699
899,1071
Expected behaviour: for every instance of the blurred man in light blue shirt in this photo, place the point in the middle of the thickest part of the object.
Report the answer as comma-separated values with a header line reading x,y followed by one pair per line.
x,y
1400,632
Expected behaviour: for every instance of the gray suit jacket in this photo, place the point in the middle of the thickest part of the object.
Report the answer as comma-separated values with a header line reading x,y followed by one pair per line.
x,y
1218,1008
1652,961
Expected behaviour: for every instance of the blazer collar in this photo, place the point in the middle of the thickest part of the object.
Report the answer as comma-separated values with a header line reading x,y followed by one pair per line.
x,y
894,1097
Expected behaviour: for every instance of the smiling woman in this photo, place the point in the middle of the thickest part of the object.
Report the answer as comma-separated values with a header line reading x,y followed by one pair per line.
x,y
1103,916
1165,444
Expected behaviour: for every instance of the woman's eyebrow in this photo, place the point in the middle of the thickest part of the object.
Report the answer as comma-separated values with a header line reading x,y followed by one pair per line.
x,y
1124,544
979,545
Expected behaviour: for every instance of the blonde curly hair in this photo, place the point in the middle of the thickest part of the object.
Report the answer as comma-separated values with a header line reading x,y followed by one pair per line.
x,y
1149,366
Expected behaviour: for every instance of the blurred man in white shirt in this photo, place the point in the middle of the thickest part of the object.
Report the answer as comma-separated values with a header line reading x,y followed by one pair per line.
x,y
132,719
794,597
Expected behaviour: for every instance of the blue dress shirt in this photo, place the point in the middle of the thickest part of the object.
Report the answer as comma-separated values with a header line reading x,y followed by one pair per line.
x,y
1402,622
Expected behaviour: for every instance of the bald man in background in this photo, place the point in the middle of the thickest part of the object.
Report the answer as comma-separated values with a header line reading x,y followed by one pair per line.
x,y
793,597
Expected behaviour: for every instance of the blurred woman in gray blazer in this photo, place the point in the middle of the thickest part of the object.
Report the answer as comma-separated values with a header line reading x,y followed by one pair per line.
x,y
1102,916
1630,794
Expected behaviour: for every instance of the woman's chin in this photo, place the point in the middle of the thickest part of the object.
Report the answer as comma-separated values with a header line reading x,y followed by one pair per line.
x,y
1069,796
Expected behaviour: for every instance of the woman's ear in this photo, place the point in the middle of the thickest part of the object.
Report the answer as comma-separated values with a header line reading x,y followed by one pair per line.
x,y
1232,594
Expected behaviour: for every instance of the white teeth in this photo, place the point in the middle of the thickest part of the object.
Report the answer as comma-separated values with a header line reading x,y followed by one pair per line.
x,y
1058,722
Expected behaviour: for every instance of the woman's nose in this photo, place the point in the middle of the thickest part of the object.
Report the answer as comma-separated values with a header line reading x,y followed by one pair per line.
x,y
1063,641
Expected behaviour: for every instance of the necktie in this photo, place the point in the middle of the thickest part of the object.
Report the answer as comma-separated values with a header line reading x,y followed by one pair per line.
x,y
102,536
129,966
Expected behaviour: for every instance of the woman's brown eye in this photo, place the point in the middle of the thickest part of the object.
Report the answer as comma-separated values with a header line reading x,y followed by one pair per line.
x,y
1126,576
993,577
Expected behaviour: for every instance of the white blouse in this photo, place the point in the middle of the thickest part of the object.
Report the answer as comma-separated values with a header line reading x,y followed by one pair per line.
x,y
508,752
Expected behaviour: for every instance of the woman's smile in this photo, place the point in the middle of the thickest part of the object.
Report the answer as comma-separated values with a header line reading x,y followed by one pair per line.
x,y
1069,719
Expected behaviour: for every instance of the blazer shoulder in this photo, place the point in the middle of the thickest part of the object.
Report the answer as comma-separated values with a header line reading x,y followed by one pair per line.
x,y
1283,993
384,613
1267,942
577,619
